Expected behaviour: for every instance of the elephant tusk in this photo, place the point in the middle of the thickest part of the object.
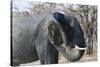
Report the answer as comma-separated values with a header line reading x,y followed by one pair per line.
x,y
77,47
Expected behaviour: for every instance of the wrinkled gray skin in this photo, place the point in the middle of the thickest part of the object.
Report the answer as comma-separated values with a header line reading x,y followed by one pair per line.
x,y
30,42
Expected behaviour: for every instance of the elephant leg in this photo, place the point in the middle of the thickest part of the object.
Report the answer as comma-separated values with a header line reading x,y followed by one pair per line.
x,y
15,62
52,55
40,52
47,54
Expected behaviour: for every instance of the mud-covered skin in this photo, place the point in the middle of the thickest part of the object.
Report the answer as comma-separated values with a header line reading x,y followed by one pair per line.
x,y
30,38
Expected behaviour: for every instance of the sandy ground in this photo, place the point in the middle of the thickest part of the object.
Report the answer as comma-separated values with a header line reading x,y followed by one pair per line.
x,y
62,60
30,64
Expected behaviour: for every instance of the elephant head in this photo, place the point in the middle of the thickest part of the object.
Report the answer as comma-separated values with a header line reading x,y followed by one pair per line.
x,y
67,31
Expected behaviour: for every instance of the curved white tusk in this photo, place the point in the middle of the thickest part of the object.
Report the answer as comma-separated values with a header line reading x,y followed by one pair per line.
x,y
77,47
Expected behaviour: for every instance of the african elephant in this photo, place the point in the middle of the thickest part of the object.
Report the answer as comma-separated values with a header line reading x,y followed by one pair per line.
x,y
30,39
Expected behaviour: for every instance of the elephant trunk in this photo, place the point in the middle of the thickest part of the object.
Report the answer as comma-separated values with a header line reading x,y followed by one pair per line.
x,y
61,32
